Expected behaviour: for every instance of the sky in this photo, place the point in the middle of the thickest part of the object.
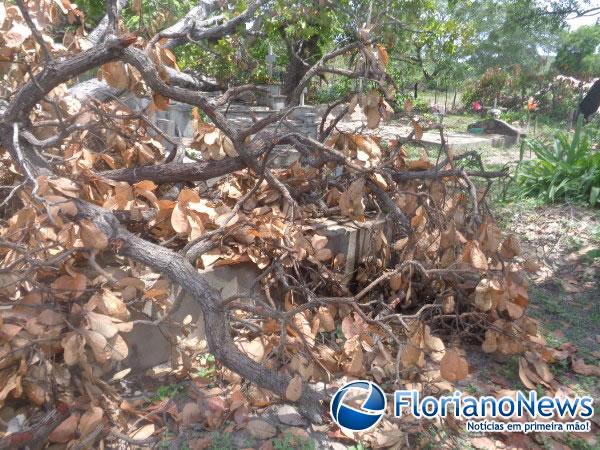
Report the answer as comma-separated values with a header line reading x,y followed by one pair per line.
x,y
579,21
588,20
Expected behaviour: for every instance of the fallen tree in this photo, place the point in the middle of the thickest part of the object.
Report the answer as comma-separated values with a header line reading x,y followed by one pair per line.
x,y
94,193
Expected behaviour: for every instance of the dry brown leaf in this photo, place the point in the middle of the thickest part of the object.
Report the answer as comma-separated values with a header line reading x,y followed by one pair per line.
x,y
69,286
396,282
116,74
73,345
119,348
354,326
16,35
255,349
434,344
91,236
90,420
484,300
161,103
98,343
490,344
453,367
190,414
294,389
102,324
510,247
324,254
383,55
144,432
412,355
318,242
418,130
524,374
326,320
109,304
65,431
579,366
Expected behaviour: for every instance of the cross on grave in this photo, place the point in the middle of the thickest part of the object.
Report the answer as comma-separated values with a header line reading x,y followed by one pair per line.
x,y
304,91
270,59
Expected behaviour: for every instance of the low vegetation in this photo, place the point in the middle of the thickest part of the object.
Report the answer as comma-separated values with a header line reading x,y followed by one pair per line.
x,y
567,169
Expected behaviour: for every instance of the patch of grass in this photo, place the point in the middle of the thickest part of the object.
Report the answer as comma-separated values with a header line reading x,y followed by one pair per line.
x,y
547,303
358,446
591,256
596,230
222,441
584,385
473,389
291,442
167,391
413,151
510,371
208,367
568,312
576,443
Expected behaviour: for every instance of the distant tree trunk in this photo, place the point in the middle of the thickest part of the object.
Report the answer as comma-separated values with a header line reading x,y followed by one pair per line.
x,y
454,100
446,101
416,90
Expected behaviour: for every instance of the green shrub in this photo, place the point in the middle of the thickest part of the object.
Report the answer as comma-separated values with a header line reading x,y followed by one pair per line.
x,y
489,87
333,91
514,116
419,104
566,170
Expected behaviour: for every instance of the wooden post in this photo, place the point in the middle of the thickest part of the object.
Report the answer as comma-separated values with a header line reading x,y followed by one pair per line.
x,y
446,102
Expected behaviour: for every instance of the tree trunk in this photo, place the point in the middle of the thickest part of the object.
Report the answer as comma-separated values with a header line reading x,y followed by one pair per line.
x,y
296,68
416,90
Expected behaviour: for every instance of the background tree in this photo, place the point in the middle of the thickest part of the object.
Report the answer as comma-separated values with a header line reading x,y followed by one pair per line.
x,y
578,53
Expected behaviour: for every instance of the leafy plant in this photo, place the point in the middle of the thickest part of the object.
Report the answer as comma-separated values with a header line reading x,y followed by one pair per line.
x,y
357,446
208,367
566,170
222,441
514,116
291,442
333,90
419,104
167,391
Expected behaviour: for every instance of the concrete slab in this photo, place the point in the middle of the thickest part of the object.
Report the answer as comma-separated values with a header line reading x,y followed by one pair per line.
x,y
454,139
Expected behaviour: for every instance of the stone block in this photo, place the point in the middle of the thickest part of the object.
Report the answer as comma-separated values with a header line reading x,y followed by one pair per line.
x,y
355,240
149,345
278,102
284,156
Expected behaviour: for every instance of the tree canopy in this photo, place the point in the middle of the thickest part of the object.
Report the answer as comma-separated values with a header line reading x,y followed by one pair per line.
x,y
578,52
